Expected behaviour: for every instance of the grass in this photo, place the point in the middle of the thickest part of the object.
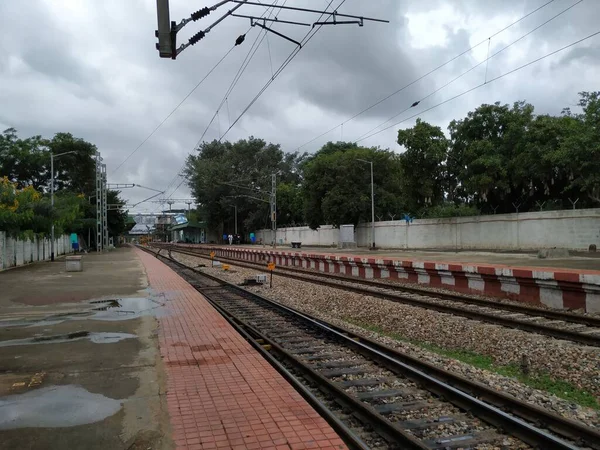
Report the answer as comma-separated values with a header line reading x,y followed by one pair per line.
x,y
542,381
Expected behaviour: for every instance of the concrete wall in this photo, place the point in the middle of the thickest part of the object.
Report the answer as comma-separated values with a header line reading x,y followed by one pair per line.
x,y
16,252
572,229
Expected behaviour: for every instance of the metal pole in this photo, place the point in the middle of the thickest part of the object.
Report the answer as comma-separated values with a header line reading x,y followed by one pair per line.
x,y
274,208
235,210
372,207
52,206
104,209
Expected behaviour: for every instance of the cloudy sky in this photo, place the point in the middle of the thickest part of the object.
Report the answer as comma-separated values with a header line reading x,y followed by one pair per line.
x,y
90,68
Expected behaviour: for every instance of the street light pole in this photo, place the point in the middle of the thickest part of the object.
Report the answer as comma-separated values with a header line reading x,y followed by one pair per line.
x,y
52,156
372,201
235,218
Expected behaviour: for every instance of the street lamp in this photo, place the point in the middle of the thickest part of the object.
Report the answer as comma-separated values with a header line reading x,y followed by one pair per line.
x,y
52,156
372,201
235,218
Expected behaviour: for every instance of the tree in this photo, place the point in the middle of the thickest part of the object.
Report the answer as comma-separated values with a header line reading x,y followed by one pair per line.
x,y
75,171
222,175
423,165
580,151
25,212
23,161
337,187
482,151
27,162
116,218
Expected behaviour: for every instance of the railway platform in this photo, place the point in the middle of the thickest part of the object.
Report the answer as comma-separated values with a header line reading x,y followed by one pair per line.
x,y
220,392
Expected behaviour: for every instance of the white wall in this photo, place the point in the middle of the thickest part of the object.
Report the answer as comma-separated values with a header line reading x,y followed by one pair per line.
x,y
572,229
325,235
16,252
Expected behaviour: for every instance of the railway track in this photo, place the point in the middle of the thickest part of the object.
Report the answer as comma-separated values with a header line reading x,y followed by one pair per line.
x,y
379,397
582,329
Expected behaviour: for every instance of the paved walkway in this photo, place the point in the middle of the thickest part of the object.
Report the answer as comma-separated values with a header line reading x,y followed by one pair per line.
x,y
220,392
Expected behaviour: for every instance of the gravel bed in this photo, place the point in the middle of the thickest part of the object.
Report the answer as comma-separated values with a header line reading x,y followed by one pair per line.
x,y
398,284
575,363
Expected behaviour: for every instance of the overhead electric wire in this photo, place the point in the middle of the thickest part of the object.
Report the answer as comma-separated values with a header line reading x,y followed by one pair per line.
x,y
251,52
378,102
471,69
173,111
484,84
291,56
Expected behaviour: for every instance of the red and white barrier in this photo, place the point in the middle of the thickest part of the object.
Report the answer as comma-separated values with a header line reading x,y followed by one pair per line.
x,y
556,288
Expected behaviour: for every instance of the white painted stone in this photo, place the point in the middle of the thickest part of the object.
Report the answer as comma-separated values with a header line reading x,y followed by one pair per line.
x,y
385,273
589,278
355,271
542,275
447,278
475,282
504,272
423,278
510,285
550,295
592,302
368,272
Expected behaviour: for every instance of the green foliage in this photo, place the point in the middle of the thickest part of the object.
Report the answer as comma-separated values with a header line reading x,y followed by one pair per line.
x,y
24,161
116,218
451,210
24,212
337,186
502,158
222,175
25,168
422,164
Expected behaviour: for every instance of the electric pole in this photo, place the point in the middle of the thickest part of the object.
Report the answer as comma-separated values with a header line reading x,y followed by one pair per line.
x,y
274,208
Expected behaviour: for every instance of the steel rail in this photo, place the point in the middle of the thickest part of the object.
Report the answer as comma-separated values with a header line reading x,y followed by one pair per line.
x,y
546,330
452,385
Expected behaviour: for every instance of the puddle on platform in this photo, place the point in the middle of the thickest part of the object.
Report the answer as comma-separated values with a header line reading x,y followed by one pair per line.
x,y
124,308
55,407
113,309
96,338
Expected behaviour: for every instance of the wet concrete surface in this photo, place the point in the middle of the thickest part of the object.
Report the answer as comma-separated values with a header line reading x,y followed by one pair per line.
x,y
55,407
85,373
96,338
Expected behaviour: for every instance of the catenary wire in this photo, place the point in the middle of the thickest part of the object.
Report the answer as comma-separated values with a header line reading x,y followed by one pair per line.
x,y
485,61
484,84
289,59
435,69
173,111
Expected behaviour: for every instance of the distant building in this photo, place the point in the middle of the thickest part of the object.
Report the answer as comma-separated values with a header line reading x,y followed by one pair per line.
x,y
189,232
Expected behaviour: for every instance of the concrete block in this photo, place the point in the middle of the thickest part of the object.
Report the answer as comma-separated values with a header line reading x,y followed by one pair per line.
x,y
74,264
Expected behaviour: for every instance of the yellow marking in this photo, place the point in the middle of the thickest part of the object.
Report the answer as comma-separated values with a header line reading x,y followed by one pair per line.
x,y
225,266
19,384
212,254
271,266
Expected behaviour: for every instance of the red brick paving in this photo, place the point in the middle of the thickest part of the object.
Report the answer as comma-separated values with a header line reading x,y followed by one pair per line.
x,y
221,393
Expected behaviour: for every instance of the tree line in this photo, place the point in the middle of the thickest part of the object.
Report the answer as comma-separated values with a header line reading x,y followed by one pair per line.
x,y
497,159
25,206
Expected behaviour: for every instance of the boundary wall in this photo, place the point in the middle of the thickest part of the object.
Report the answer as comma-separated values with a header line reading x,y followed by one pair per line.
x,y
17,252
555,288
573,229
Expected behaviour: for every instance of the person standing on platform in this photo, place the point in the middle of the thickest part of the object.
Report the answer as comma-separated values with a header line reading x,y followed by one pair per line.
x,y
230,239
